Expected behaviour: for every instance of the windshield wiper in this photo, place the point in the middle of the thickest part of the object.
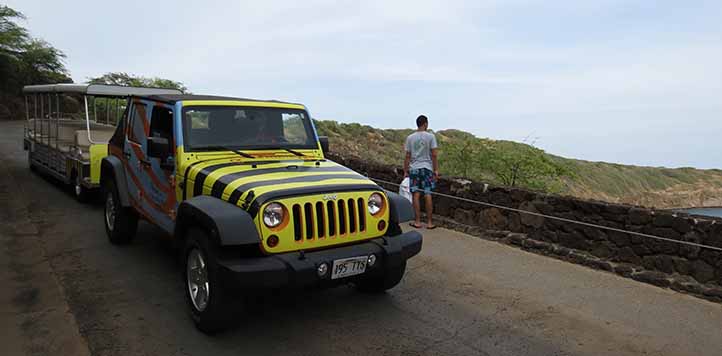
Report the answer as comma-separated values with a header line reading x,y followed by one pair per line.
x,y
296,153
224,148
240,153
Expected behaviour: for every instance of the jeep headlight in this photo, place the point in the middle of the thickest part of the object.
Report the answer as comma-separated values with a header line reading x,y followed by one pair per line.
x,y
375,204
274,214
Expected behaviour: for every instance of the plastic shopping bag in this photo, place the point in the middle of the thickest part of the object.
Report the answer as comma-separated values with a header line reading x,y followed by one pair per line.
x,y
405,188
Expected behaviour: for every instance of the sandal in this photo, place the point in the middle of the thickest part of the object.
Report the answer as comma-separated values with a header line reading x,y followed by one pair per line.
x,y
416,226
430,227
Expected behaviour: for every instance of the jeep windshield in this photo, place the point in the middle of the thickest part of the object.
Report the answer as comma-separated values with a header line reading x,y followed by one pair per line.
x,y
212,128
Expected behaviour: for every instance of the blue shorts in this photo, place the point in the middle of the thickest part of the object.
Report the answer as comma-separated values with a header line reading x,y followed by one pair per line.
x,y
422,180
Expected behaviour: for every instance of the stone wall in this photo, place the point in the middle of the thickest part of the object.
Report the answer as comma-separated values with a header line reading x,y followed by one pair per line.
x,y
668,264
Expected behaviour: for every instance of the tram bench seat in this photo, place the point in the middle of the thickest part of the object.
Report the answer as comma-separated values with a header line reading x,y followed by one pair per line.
x,y
65,127
68,133
98,137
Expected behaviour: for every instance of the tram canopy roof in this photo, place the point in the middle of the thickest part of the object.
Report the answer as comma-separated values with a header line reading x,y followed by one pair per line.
x,y
97,90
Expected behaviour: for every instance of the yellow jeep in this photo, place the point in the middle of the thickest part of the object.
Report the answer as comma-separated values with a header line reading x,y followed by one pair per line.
x,y
245,191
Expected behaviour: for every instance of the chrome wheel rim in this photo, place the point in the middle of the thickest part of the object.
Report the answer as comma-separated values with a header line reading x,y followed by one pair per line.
x,y
110,211
197,277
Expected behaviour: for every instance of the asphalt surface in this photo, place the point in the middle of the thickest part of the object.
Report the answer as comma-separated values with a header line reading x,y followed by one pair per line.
x,y
67,290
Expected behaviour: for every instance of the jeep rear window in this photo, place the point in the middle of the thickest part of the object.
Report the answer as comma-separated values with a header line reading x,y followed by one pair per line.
x,y
211,127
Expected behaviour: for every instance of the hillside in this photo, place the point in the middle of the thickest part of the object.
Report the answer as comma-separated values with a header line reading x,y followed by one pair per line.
x,y
464,155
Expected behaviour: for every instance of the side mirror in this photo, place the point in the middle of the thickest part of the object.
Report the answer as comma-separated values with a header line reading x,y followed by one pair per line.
x,y
324,143
158,147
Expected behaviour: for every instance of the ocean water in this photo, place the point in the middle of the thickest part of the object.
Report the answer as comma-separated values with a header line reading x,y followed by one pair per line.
x,y
705,211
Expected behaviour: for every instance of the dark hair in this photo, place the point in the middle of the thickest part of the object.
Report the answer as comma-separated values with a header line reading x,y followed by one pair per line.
x,y
421,121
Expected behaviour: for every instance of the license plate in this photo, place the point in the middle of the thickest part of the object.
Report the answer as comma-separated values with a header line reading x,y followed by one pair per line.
x,y
348,267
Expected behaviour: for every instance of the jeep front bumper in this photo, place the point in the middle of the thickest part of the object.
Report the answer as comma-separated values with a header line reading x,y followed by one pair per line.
x,y
298,270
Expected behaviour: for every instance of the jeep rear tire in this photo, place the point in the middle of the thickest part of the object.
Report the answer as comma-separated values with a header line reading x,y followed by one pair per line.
x,y
379,283
211,308
121,222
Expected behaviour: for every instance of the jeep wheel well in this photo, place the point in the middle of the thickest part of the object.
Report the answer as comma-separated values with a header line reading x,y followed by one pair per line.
x,y
188,222
227,225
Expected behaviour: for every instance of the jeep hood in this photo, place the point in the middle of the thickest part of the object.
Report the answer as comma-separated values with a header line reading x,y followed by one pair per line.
x,y
251,184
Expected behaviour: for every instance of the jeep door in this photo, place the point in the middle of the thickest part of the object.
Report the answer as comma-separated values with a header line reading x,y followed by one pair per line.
x,y
149,173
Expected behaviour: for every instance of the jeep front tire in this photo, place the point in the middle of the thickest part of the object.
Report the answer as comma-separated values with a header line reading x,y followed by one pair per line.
x,y
210,307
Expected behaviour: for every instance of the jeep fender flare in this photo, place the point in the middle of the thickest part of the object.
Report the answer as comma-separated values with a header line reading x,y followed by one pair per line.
x,y
111,166
227,223
400,209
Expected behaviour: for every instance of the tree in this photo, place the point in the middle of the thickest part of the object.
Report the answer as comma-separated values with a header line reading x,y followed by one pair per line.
x,y
515,164
125,79
466,157
24,61
27,60
13,37
42,63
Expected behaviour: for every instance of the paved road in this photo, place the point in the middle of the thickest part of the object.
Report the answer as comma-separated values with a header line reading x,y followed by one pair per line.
x,y
66,290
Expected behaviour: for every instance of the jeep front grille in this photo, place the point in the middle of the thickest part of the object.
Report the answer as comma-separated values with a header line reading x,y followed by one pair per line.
x,y
328,219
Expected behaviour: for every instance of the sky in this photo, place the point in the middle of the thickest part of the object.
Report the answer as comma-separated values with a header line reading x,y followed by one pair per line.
x,y
633,82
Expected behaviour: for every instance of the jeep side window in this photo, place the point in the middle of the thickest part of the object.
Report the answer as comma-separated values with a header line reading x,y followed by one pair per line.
x,y
161,123
136,129
161,135
119,134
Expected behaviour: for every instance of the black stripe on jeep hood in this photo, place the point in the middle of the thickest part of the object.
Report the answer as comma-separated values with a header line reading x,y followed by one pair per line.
x,y
238,192
220,184
201,176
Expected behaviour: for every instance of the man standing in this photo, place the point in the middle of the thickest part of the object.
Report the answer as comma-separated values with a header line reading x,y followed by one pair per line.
x,y
422,168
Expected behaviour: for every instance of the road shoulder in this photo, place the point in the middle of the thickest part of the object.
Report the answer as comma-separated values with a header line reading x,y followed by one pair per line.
x,y
35,316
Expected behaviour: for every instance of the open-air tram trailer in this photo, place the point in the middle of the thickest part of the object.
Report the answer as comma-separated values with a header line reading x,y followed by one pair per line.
x,y
69,125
